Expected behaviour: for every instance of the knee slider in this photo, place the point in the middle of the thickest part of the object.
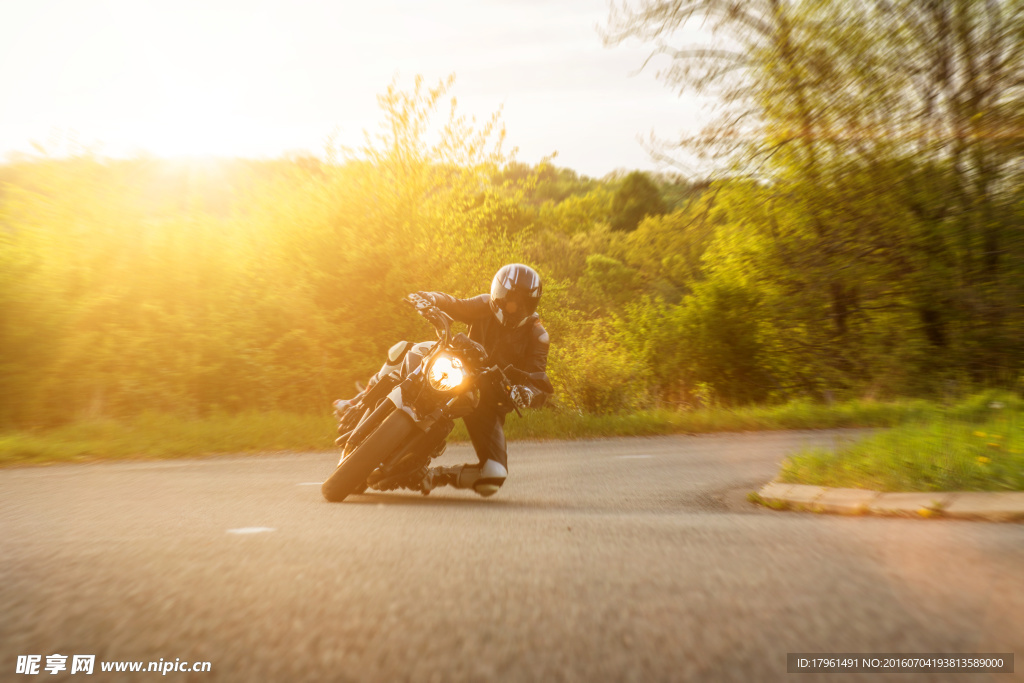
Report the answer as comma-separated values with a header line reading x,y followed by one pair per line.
x,y
485,479
489,478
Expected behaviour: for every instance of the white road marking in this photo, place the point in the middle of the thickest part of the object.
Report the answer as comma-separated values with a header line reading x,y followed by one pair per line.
x,y
309,483
251,530
632,457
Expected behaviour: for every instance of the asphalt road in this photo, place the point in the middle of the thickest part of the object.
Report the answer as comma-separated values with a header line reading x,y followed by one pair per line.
x,y
615,559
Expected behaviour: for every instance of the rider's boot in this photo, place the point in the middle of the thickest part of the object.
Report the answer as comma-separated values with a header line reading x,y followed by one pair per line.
x,y
436,477
343,404
347,421
483,479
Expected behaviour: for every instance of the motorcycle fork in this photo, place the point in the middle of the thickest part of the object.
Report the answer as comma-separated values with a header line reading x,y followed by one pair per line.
x,y
415,454
381,389
370,423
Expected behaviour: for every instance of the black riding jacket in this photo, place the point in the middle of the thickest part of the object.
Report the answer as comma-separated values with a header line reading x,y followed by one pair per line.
x,y
524,348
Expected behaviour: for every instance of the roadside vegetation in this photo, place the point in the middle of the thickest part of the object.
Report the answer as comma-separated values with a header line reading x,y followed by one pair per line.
x,y
977,446
166,436
836,262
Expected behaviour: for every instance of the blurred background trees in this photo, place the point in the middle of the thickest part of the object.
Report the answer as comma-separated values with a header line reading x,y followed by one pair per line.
x,y
636,199
880,234
860,233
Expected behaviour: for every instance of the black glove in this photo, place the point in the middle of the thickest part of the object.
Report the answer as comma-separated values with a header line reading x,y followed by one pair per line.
x,y
420,300
522,396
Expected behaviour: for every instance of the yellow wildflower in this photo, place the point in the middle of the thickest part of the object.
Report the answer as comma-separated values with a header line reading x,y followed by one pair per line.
x,y
981,434
984,461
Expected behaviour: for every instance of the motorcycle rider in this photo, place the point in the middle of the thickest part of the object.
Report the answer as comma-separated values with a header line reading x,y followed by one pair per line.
x,y
506,324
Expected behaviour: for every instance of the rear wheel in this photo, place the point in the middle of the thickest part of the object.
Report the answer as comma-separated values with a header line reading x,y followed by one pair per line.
x,y
350,475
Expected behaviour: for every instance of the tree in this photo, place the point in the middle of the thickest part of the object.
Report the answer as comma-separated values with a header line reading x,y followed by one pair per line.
x,y
670,248
145,285
636,199
886,137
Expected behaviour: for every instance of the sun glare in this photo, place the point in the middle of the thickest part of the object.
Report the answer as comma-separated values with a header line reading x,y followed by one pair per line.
x,y
229,78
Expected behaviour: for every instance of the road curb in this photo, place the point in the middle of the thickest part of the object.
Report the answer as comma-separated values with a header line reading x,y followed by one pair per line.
x,y
1000,506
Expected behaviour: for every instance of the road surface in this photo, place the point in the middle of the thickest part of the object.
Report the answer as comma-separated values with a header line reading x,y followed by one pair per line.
x,y
633,559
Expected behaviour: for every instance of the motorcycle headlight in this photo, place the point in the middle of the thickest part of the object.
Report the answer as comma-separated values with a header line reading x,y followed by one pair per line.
x,y
446,373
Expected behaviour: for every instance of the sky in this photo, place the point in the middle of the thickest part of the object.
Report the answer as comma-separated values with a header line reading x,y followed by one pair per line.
x,y
263,78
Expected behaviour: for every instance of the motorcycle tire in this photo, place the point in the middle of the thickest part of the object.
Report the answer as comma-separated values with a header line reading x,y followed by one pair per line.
x,y
351,474
362,487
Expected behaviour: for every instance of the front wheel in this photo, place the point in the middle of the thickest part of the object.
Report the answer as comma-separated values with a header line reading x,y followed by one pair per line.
x,y
350,475
345,452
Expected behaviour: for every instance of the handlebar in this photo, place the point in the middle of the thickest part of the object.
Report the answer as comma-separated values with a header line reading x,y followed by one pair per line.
x,y
441,321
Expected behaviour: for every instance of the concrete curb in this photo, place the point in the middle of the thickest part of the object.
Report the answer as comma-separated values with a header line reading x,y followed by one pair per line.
x,y
1001,506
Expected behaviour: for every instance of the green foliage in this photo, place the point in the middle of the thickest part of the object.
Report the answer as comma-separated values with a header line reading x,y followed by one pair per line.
x,y
577,213
607,281
726,353
545,184
847,253
670,248
882,235
976,446
268,431
131,287
637,198
598,377
706,350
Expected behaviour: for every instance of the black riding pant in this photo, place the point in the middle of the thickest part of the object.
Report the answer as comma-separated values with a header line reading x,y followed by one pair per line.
x,y
487,432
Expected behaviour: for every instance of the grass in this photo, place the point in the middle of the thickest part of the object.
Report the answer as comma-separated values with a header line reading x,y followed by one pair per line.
x,y
975,446
164,436
879,462
797,415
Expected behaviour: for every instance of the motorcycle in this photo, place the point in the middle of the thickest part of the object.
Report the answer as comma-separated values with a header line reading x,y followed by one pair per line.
x,y
390,435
